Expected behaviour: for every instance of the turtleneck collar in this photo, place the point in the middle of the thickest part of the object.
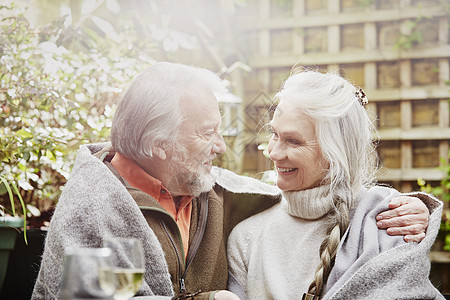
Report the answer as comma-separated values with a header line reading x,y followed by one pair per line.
x,y
308,204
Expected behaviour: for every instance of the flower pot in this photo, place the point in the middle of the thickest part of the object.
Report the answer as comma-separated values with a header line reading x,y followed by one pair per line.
x,y
23,266
9,229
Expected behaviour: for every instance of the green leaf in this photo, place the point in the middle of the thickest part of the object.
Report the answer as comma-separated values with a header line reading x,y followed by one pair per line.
x,y
50,155
438,190
11,199
3,189
24,134
24,209
446,197
421,182
447,240
26,156
22,167
39,154
410,24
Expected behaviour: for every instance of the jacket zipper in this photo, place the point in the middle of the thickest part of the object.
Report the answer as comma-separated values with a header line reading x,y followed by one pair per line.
x,y
181,259
181,276
192,251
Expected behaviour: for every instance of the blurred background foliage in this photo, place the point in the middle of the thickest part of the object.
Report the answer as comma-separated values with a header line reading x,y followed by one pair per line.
x,y
441,191
63,65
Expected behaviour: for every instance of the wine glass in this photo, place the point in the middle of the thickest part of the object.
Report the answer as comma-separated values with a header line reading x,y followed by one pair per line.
x,y
129,265
87,274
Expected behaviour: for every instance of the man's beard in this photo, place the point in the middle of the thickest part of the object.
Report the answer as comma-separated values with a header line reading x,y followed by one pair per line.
x,y
191,179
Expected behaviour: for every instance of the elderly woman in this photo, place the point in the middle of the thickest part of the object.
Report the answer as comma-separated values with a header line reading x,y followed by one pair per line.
x,y
321,240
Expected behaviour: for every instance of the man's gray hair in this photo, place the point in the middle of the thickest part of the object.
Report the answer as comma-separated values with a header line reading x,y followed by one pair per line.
x,y
148,114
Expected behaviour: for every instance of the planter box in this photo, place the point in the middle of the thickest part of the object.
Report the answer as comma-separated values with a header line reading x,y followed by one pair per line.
x,y
23,266
8,234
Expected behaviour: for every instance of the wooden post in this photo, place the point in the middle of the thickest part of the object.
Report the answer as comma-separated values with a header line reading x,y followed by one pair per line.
x,y
370,37
334,6
334,37
444,73
370,76
405,73
443,31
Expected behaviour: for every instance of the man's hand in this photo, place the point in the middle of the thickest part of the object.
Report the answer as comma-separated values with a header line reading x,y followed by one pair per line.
x,y
225,295
406,216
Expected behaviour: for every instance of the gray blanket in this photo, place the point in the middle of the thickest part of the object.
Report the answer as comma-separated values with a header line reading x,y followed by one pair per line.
x,y
94,204
372,265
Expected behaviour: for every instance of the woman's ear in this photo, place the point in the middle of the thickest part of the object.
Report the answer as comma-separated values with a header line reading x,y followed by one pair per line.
x,y
159,152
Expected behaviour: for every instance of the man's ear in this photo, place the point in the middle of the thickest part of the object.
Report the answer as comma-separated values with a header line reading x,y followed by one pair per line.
x,y
160,152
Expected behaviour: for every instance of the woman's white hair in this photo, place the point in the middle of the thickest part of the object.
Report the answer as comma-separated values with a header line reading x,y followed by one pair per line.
x,y
343,130
343,126
148,114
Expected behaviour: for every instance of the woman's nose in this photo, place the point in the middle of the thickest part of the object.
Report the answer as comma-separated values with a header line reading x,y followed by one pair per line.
x,y
275,150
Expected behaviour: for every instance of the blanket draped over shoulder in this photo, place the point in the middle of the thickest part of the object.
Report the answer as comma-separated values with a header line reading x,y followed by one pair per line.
x,y
93,205
372,265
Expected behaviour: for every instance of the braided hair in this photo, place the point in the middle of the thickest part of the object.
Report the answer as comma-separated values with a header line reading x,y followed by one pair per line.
x,y
344,133
328,248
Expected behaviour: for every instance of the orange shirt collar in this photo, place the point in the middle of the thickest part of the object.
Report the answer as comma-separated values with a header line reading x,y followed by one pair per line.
x,y
143,181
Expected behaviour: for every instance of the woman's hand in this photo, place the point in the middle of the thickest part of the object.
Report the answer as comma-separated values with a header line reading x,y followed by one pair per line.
x,y
225,295
406,216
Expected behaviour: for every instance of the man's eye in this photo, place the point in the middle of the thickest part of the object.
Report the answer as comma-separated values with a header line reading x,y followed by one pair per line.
x,y
209,134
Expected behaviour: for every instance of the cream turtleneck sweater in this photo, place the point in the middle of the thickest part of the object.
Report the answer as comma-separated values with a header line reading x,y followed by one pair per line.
x,y
274,255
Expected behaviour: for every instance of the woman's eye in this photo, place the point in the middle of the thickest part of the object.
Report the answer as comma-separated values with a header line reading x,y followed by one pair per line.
x,y
294,142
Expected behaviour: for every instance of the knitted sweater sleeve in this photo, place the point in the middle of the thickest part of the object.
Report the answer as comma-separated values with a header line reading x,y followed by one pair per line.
x,y
237,251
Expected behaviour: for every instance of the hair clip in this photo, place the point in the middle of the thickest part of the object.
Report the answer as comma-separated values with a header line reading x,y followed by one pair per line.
x,y
362,98
308,296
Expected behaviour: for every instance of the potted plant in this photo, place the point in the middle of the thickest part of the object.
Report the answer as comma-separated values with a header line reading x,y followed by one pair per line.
x,y
8,234
10,226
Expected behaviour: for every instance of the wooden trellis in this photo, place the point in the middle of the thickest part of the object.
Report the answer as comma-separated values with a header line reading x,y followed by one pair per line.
x,y
372,44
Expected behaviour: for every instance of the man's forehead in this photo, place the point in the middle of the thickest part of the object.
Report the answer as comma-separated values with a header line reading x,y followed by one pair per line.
x,y
197,95
201,117
211,123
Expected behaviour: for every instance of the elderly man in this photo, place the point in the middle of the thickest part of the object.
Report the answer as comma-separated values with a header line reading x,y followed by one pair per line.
x,y
155,182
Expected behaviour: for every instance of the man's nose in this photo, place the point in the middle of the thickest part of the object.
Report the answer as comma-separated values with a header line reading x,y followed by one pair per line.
x,y
219,145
